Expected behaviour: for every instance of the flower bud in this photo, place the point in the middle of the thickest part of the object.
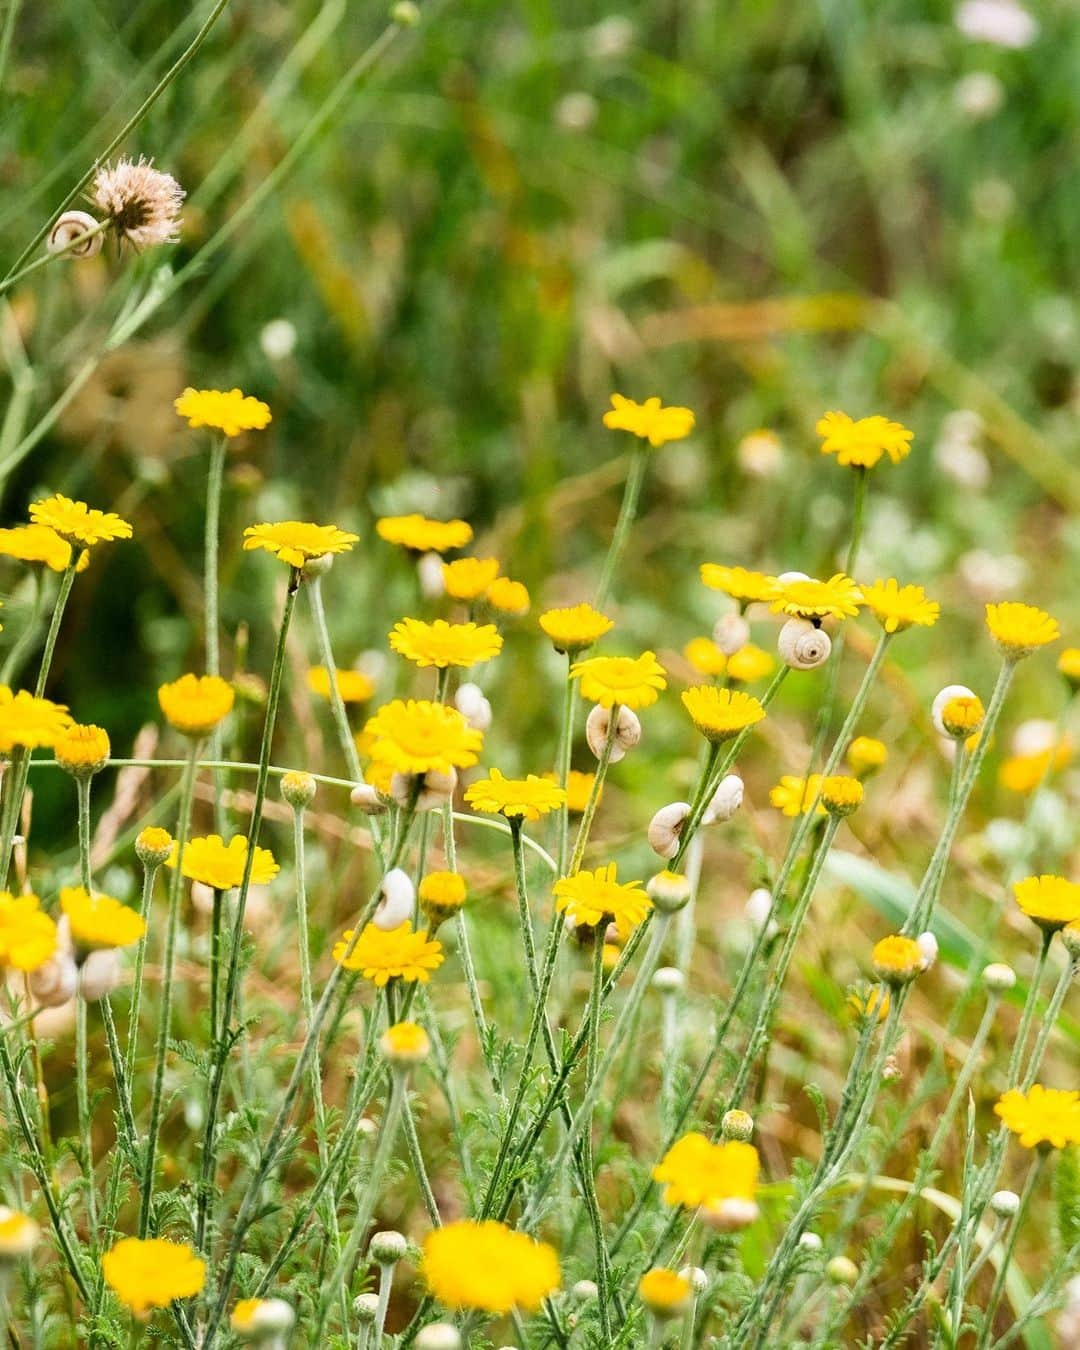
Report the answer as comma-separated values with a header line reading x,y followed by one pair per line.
x,y
842,1270
896,960
627,732
584,1291
1005,1204
726,800
758,908
841,795
1070,937
810,1242
99,974
405,1043
19,1235
366,1308
731,633
264,1321
966,704
666,827
473,706
730,1215
82,751
697,1278
153,846
387,1247
669,891
368,800
318,567
664,1293
441,895
667,980
998,978
737,1125
397,901
802,645
406,13
298,789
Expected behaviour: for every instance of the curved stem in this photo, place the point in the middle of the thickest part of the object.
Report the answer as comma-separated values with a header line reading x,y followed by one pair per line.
x,y
639,462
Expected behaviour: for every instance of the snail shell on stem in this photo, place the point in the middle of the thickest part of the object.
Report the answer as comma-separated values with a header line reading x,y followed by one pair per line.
x,y
802,646
70,226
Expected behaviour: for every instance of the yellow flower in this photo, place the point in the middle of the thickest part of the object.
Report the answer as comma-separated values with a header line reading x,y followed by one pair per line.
x,y
381,956
296,542
82,749
1024,773
633,681
696,1172
1019,629
963,715
421,535
405,1043
485,1265
865,754
705,656
195,704
649,420
508,597
794,796
749,664
19,1234
469,578
213,862
441,895
99,920
418,736
738,582
861,444
897,959
228,411
148,1273
664,1292
869,1001
898,607
153,845
40,544
525,798
353,686
592,898
1068,662
30,722
579,787
1049,901
720,714
841,795
837,598
78,524
445,644
1041,1116
27,933
575,628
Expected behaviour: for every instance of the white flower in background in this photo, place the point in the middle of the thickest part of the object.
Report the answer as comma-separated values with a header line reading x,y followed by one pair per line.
x,y
978,95
1003,23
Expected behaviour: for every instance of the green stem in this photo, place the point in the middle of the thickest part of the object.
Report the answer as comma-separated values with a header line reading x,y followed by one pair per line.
x,y
1016,1058
82,790
86,1143
1034,1171
150,871
585,825
211,583
337,704
592,1059
562,768
631,493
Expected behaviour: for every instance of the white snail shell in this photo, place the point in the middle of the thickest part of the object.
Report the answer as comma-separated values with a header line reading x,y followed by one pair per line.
x,y
731,633
100,974
473,706
758,908
666,827
792,576
368,800
398,898
627,732
802,646
436,789
928,945
70,226
54,983
429,570
726,800
947,695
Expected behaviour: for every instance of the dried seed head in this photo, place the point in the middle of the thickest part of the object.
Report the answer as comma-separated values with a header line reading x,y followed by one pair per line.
x,y
141,203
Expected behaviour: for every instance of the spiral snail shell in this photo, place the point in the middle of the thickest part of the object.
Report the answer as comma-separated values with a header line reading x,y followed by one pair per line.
x,y
666,827
627,732
396,905
802,646
731,633
70,226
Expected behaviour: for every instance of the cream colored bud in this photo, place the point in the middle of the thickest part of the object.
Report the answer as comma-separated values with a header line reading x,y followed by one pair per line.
x,y
99,974
696,1278
1005,1204
731,633
945,696
999,978
71,226
366,1307
627,732
842,1270
669,891
387,1247
758,908
584,1291
368,800
730,1215
397,901
810,1242
666,827
726,800
439,1336
802,646
738,1125
668,980
473,706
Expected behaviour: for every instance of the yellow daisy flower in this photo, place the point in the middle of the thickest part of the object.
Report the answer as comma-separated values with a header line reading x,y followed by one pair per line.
x,y
694,1171
1050,901
1041,1116
575,628
1020,629
27,933
963,715
664,1292
862,443
82,749
76,523
445,644
705,656
750,664
229,411
421,535
633,681
720,714
30,722
865,754
837,598
195,704
297,542
418,736
841,795
593,898
868,1001
1024,773
19,1234
650,420
469,578
896,959
579,786
99,920
441,895
525,798
148,1273
738,582
405,1043
794,796
40,544
353,686
898,607
1068,662
508,597
399,954
213,862
484,1265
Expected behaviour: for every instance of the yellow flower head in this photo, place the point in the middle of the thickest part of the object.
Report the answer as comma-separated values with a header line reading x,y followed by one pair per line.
x,y
868,1001
664,1292
794,796
1041,1116
1068,662
195,704
229,411
76,523
579,786
353,686
898,607
469,578
1049,901
862,443
381,956
421,535
419,736
99,921
649,420
214,863
441,896
405,1043
632,681
695,1171
40,544
841,795
30,722
963,715
837,598
1020,629
485,1265
297,542
750,664
593,898
897,959
738,582
148,1273
82,749
19,1234
153,845
508,597
575,628
1024,773
705,656
865,754
445,644
720,714
27,933
525,798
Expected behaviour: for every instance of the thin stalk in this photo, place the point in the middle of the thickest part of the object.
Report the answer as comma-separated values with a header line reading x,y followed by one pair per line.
x,y
562,768
585,824
337,704
987,1327
1016,1058
592,1060
1048,1022
150,871
639,463
86,1144
211,581
21,647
